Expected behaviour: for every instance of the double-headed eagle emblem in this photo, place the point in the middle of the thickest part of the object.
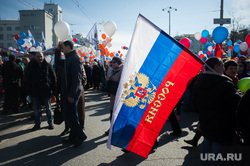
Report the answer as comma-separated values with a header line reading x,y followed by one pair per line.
x,y
139,91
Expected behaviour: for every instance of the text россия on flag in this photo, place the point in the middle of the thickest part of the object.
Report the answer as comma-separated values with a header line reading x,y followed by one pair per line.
x,y
155,74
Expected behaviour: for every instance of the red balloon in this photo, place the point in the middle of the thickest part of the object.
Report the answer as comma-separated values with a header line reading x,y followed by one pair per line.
x,y
208,53
75,40
248,39
186,42
231,47
201,56
17,36
203,40
119,52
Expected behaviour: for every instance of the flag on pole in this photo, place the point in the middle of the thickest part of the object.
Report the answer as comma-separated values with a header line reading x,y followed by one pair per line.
x,y
155,74
43,42
31,38
92,36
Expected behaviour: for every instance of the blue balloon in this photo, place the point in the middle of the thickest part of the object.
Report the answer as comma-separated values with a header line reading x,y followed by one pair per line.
x,y
237,48
204,33
229,42
22,35
37,44
238,41
20,41
220,34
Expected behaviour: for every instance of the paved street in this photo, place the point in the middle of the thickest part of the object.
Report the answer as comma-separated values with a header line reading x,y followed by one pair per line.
x,y
21,146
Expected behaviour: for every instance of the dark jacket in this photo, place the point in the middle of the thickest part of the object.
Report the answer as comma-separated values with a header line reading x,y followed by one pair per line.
x,y
41,80
72,80
243,114
11,73
216,99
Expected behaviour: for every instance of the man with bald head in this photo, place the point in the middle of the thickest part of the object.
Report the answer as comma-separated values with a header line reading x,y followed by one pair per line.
x,y
41,81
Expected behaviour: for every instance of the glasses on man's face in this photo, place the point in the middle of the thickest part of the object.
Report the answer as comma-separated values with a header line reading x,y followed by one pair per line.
x,y
112,62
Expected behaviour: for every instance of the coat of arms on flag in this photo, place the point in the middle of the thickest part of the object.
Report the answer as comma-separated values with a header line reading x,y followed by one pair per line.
x,y
155,74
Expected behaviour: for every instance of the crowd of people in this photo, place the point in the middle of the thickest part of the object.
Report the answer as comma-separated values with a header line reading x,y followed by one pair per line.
x,y
214,95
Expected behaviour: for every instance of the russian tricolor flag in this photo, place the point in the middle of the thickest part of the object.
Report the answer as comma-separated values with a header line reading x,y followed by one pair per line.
x,y
156,72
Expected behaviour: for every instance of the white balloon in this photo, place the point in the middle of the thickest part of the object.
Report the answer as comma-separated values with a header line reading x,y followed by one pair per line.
x,y
32,49
200,52
209,48
243,46
48,59
39,48
109,45
69,37
197,36
110,28
62,30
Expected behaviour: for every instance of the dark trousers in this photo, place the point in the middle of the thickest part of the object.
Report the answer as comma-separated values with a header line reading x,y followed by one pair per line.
x,y
71,119
11,96
174,122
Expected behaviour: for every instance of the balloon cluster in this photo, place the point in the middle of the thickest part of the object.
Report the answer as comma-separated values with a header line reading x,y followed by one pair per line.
x,y
124,48
105,44
202,37
239,47
26,43
86,53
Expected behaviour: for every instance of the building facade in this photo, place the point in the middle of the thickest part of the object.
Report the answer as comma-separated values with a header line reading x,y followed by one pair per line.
x,y
36,21
8,28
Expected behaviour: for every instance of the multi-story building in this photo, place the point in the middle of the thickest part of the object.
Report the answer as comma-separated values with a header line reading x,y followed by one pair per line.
x,y
8,28
36,21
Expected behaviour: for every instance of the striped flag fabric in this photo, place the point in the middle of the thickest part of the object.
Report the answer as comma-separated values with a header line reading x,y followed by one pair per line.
x,y
43,42
31,38
156,72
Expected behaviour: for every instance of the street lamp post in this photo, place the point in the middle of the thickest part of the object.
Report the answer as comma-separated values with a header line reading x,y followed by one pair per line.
x,y
169,12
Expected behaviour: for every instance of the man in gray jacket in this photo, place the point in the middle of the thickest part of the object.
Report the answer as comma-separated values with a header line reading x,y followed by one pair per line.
x,y
71,89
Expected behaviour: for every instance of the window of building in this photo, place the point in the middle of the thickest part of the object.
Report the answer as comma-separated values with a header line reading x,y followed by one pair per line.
x,y
37,27
1,44
1,36
17,28
9,36
26,27
9,28
1,28
9,45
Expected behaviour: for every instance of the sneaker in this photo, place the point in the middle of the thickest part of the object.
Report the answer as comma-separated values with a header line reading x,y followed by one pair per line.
x,y
125,151
51,126
67,141
106,132
36,127
79,142
176,133
191,142
65,131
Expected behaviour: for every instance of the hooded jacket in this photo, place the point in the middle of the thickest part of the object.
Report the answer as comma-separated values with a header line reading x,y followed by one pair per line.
x,y
216,99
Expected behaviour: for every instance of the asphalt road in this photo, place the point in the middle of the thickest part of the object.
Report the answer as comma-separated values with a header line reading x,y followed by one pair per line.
x,y
21,146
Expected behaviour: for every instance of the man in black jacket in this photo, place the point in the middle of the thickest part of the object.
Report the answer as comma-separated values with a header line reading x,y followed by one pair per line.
x,y
12,75
71,90
41,83
215,99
